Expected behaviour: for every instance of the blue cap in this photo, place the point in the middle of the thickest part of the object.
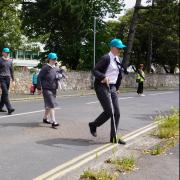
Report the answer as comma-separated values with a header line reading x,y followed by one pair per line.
x,y
6,50
117,43
52,56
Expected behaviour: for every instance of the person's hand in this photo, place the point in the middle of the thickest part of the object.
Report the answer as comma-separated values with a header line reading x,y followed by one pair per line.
x,y
105,81
13,83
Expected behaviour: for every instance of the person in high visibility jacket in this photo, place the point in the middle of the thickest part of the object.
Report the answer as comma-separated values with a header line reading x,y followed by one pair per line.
x,y
140,78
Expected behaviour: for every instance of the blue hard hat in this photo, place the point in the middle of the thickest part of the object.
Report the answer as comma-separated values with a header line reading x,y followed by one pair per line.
x,y
52,56
117,43
6,50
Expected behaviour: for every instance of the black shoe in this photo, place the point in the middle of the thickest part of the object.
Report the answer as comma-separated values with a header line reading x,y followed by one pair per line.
x,y
46,121
119,141
2,110
92,129
55,124
10,111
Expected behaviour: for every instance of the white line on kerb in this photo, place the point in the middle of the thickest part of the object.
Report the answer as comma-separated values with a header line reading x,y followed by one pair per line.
x,y
26,113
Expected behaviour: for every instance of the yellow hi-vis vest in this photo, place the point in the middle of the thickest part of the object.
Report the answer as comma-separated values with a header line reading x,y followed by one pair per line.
x,y
139,77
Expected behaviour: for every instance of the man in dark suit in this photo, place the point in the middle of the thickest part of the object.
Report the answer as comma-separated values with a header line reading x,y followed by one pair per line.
x,y
108,77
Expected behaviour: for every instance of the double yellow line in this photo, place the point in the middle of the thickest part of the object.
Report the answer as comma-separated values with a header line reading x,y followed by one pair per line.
x,y
82,159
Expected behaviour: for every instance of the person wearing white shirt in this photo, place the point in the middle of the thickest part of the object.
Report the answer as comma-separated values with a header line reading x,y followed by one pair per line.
x,y
108,77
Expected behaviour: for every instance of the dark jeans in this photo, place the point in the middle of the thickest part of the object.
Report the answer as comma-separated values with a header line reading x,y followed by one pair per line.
x,y
4,83
104,95
140,88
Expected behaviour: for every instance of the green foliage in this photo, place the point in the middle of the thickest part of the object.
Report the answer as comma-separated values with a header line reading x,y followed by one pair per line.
x,y
97,175
9,24
123,164
163,21
168,126
68,26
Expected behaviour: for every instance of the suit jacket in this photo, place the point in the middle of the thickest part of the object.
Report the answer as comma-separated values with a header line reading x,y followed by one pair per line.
x,y
101,68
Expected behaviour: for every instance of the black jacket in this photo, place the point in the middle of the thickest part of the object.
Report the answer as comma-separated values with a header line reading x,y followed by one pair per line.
x,y
101,68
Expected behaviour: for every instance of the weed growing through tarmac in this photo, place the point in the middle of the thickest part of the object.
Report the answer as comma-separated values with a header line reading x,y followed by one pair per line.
x,y
168,131
168,126
98,175
123,164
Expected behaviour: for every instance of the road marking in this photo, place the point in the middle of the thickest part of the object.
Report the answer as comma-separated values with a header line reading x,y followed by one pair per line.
x,y
93,102
80,160
160,93
26,113
123,98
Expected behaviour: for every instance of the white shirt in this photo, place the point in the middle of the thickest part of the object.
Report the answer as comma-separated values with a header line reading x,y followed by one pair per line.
x,y
112,70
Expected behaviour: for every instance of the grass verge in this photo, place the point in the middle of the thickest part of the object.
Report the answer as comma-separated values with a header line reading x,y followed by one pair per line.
x,y
168,131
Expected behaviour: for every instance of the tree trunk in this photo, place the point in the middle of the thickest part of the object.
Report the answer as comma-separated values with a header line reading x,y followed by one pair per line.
x,y
131,34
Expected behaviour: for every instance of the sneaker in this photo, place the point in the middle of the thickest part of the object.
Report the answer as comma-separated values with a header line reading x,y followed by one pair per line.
x,y
142,95
55,124
92,129
2,110
46,121
10,111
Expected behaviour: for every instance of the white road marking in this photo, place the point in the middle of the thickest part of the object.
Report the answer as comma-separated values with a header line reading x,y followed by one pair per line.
x,y
26,113
160,93
124,98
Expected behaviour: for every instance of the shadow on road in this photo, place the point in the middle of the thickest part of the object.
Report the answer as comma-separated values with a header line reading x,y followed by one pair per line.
x,y
31,125
69,141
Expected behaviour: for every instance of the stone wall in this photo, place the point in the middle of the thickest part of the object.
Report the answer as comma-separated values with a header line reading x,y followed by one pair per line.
x,y
82,81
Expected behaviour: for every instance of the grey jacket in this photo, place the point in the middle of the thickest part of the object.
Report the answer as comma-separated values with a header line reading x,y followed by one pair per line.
x,y
6,68
47,78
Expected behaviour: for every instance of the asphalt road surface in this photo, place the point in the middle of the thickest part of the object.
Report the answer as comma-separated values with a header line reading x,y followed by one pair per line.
x,y
29,148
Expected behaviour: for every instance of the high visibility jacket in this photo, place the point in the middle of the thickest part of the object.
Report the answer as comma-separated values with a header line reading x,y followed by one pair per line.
x,y
139,76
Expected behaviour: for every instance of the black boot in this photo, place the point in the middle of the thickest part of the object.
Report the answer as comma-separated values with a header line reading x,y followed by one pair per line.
x,y
10,111
119,141
92,128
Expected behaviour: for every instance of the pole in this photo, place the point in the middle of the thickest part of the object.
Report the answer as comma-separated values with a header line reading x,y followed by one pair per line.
x,y
94,41
94,59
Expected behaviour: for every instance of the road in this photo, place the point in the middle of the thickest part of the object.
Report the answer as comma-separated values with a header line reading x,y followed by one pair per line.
x,y
29,148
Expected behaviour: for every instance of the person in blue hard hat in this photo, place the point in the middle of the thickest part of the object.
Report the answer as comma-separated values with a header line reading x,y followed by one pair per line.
x,y
6,74
48,85
107,74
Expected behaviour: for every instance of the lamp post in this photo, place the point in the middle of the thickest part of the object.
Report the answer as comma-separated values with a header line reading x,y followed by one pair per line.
x,y
94,41
94,57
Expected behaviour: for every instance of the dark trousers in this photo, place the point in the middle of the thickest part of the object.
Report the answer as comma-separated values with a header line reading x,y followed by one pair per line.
x,y
140,88
103,95
4,83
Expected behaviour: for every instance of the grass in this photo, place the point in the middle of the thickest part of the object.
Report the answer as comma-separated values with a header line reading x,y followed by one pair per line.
x,y
168,130
98,175
124,164
168,126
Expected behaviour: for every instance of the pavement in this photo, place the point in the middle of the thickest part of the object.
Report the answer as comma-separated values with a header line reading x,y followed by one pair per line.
x,y
161,167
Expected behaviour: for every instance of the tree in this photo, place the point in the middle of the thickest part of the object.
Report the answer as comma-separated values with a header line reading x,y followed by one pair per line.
x,y
161,21
10,24
68,25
